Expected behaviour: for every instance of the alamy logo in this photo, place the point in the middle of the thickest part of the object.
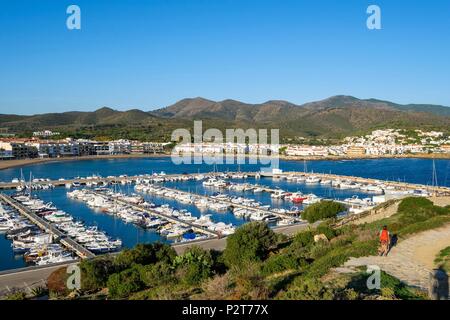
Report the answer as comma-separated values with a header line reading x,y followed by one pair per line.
x,y
210,147
374,280
74,279
374,20
73,21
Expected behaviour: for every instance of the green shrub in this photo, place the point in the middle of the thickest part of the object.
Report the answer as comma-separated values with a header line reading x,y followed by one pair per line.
x,y
432,223
219,266
443,259
248,282
281,262
335,257
250,242
194,265
304,238
160,273
144,254
39,291
121,285
95,272
413,203
325,229
322,210
320,249
391,287
19,295
309,289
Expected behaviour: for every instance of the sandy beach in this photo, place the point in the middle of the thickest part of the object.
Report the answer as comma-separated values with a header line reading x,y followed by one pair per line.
x,y
6,164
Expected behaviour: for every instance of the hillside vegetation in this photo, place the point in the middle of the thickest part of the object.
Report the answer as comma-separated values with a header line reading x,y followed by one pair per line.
x,y
334,117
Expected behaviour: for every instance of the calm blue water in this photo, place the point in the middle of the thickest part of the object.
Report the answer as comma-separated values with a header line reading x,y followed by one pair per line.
x,y
410,170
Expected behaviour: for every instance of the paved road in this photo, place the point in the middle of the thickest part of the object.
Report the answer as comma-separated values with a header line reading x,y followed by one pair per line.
x,y
26,278
36,276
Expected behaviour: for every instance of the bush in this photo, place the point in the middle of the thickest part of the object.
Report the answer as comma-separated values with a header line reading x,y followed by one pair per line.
x,y
335,257
217,288
432,223
157,274
121,285
95,273
248,282
40,291
19,295
194,265
308,289
281,262
413,203
391,287
144,254
250,242
304,238
320,249
322,210
325,229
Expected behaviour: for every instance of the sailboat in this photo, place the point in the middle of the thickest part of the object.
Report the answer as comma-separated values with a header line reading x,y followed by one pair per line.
x,y
434,180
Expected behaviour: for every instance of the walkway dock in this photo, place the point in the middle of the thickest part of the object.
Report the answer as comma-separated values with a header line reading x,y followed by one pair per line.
x,y
233,205
439,190
71,244
153,212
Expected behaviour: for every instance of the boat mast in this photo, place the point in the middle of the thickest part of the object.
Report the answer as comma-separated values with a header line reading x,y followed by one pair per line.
x,y
434,181
30,183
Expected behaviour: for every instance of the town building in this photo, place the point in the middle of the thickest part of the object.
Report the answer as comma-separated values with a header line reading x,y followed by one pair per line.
x,y
18,149
45,134
355,151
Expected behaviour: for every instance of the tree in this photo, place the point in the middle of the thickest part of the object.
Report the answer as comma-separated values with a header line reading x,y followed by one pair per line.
x,y
250,242
95,272
322,210
144,254
160,273
304,238
194,265
121,285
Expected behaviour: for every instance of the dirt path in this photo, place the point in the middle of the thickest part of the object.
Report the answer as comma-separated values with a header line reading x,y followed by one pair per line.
x,y
426,253
412,260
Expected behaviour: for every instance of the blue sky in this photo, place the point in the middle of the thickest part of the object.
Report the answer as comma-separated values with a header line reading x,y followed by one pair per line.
x,y
148,54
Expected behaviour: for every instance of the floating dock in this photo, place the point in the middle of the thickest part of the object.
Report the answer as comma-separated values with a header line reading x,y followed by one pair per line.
x,y
438,190
148,210
58,235
234,205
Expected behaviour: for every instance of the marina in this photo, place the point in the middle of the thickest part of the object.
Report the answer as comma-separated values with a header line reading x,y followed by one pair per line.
x,y
147,215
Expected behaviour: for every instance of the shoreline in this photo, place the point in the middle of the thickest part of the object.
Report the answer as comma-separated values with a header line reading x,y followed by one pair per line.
x,y
8,164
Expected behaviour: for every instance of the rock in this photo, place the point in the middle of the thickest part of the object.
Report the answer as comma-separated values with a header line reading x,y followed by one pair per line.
x,y
320,237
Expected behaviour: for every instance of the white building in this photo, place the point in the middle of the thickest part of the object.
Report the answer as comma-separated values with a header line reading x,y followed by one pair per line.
x,y
45,133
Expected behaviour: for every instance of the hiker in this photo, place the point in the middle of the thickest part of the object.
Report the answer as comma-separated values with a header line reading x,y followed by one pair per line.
x,y
384,241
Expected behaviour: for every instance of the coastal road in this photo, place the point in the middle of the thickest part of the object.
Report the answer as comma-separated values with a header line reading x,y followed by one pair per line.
x,y
28,278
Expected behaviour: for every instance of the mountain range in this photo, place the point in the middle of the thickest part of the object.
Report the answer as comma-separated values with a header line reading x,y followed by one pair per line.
x,y
336,116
